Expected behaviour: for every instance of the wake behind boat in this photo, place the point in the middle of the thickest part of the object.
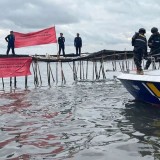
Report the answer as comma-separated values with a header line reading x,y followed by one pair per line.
x,y
145,87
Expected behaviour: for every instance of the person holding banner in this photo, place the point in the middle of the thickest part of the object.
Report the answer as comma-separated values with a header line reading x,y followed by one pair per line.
x,y
61,41
10,39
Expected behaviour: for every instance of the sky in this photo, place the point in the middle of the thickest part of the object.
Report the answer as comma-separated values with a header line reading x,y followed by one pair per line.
x,y
102,24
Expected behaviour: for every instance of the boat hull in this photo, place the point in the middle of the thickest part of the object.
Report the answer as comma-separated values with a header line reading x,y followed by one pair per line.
x,y
142,89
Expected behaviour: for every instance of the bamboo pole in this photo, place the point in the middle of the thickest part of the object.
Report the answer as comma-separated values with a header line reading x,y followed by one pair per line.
x,y
34,74
40,77
80,71
87,70
15,82
51,73
10,84
48,74
93,72
26,79
3,83
83,69
56,72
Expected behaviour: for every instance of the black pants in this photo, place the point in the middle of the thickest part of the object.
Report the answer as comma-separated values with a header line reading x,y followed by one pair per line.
x,y
149,61
138,54
61,47
8,49
78,50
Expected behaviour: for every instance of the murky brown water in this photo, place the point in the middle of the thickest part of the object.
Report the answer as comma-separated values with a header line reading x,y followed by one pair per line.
x,y
84,121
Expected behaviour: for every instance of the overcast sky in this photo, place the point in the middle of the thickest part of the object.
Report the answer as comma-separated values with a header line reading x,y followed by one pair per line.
x,y
102,24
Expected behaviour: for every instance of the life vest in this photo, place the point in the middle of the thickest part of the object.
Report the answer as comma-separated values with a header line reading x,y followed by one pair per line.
x,y
139,41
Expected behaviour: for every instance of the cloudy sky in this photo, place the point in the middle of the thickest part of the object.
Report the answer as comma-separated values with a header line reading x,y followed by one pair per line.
x,y
102,24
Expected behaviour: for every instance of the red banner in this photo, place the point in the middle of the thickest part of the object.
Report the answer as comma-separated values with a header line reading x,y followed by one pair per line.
x,y
13,67
45,36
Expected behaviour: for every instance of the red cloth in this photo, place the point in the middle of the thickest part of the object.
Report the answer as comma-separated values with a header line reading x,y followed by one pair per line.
x,y
45,36
13,67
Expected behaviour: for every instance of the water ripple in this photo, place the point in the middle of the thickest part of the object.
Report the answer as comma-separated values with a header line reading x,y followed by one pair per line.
x,y
80,121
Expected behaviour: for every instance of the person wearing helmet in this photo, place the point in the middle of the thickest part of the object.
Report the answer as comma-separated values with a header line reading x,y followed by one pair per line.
x,y
154,45
139,42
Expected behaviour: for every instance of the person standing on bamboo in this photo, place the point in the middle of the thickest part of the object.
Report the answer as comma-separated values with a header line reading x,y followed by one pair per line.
x,y
139,42
61,41
78,44
10,39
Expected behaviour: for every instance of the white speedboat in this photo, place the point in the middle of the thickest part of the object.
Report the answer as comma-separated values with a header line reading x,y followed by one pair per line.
x,y
145,87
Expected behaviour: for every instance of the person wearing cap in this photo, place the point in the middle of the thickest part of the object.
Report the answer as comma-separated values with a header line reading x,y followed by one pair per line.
x,y
10,39
154,45
78,44
139,42
61,41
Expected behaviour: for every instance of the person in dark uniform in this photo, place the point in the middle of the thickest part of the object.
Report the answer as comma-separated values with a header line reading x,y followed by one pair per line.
x,y
10,39
61,41
154,45
139,42
78,44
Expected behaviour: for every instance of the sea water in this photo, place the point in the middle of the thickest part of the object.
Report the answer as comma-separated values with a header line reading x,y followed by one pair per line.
x,y
76,121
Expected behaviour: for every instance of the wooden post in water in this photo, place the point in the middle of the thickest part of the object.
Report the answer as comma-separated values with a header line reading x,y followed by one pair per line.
x,y
26,79
35,70
3,83
80,71
74,71
10,84
40,78
15,82
62,74
48,74
83,69
93,71
51,73
87,70
56,72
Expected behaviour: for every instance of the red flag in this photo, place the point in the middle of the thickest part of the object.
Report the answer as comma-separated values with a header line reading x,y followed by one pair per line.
x,y
12,67
45,36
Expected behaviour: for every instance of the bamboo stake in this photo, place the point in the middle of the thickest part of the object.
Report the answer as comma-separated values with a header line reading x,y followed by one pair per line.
x,y
96,72
40,77
51,73
93,71
48,74
74,71
87,70
3,83
26,79
80,70
36,77
10,84
34,74
83,69
15,82
56,72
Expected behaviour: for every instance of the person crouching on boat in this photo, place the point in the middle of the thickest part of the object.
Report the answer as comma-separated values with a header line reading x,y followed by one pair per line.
x,y
139,42
154,45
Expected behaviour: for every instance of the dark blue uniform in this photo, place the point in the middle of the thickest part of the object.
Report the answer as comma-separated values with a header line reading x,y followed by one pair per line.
x,y
78,45
139,42
10,39
61,41
154,44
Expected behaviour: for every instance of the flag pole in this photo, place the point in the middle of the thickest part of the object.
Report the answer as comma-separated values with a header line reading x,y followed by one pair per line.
x,y
57,44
